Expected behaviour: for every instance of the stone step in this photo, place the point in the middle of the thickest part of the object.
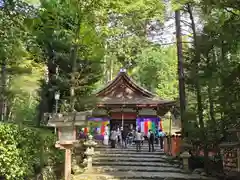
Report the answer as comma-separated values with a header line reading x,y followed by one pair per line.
x,y
129,147
144,145
126,163
137,155
142,176
137,169
128,150
128,159
130,153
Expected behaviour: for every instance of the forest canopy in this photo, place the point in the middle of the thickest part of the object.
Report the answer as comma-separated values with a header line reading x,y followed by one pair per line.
x,y
75,47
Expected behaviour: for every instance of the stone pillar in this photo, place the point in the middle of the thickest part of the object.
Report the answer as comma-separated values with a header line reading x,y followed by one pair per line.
x,y
185,156
77,160
68,158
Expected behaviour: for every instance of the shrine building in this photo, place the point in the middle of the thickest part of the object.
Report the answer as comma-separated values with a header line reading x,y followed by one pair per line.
x,y
123,103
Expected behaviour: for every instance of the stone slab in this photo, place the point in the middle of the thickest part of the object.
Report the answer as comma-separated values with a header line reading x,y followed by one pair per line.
x,y
129,151
152,164
138,168
142,176
119,164
136,155
129,159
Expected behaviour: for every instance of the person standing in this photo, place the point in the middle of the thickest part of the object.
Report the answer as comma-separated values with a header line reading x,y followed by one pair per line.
x,y
142,138
113,138
106,136
119,137
151,139
134,136
138,139
161,136
130,137
81,134
157,137
124,137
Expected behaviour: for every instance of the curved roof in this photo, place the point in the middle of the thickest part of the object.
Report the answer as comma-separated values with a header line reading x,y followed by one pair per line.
x,y
122,75
124,90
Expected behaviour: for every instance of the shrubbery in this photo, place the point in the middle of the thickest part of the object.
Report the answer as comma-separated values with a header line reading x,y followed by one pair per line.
x,y
24,151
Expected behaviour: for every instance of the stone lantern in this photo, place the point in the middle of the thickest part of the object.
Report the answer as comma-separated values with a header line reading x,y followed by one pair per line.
x,y
66,125
90,144
230,152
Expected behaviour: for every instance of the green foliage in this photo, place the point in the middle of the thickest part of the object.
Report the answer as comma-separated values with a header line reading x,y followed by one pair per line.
x,y
25,150
22,96
156,71
126,28
218,73
70,41
18,50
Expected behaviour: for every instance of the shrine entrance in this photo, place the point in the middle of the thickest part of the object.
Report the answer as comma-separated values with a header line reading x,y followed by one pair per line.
x,y
123,101
127,124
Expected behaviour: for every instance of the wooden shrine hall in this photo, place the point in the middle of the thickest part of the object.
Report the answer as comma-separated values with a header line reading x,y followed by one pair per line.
x,y
123,103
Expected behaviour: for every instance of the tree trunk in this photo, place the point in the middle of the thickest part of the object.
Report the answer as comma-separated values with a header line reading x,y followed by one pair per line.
x,y
47,101
180,70
105,65
73,79
210,97
51,64
197,85
42,107
73,59
3,90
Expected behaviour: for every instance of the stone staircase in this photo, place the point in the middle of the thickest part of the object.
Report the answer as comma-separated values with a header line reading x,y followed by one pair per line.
x,y
119,164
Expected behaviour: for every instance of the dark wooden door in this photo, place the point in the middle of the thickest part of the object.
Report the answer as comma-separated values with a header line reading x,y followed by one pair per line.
x,y
117,123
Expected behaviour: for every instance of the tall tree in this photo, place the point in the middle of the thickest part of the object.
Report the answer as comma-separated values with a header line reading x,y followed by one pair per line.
x,y
181,78
69,39
15,40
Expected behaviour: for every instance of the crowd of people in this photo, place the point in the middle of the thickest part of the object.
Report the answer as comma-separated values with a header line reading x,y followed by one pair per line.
x,y
127,137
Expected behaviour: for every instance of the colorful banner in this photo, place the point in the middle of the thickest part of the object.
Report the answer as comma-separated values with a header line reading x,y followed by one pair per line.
x,y
141,125
145,127
160,125
147,123
85,131
96,127
102,128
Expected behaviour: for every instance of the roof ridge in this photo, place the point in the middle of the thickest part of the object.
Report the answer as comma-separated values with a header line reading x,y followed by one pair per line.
x,y
108,84
131,81
140,87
